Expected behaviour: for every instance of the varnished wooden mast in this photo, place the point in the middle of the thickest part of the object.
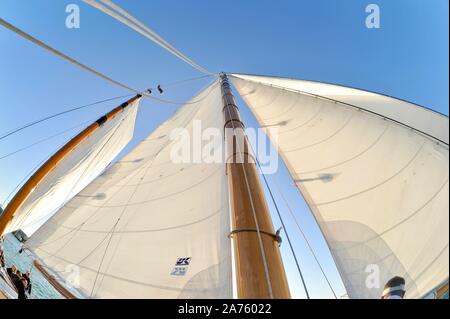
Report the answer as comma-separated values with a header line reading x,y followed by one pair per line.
x,y
258,275
52,162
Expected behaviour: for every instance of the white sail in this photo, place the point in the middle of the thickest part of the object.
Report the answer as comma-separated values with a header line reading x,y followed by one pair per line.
x,y
374,171
148,227
75,171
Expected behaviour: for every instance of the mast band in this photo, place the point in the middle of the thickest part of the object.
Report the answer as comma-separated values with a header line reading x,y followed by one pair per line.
x,y
275,237
102,120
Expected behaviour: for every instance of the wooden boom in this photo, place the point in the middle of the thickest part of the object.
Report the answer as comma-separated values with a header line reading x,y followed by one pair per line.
x,y
25,191
54,282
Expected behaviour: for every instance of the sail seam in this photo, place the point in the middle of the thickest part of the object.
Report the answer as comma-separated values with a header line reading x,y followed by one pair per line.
x,y
353,106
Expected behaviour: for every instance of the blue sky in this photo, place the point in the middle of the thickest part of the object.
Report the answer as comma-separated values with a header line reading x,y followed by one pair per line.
x,y
318,40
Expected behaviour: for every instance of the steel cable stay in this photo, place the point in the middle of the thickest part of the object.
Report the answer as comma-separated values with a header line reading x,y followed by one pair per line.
x,y
306,239
86,68
43,140
282,224
55,115
78,179
124,17
52,116
281,220
286,231
150,160
111,232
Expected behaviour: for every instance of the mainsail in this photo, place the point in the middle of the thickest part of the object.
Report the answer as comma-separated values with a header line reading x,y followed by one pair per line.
x,y
374,171
75,171
148,227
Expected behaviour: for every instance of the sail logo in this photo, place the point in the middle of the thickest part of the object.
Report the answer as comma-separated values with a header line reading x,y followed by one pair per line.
x,y
181,266
184,261
213,145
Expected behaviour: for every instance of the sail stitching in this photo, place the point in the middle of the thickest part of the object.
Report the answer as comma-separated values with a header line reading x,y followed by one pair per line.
x,y
105,143
353,106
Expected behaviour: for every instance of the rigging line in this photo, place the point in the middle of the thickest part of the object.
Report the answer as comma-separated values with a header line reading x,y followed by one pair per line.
x,y
306,239
71,60
146,94
79,226
323,97
150,165
145,169
18,129
151,32
23,180
117,222
176,83
130,176
154,34
112,132
103,257
258,231
150,161
130,21
42,140
282,223
62,55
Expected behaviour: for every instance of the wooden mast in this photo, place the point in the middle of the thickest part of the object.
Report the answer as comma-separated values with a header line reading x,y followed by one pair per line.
x,y
52,162
259,272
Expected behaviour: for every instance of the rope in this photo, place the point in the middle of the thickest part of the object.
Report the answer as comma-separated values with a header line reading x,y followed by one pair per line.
x,y
24,216
306,240
345,104
281,220
42,140
144,168
73,61
62,55
112,231
266,267
176,83
287,235
59,114
138,26
23,180
145,94
282,224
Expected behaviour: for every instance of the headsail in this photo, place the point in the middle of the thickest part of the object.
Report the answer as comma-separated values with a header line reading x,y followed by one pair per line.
x,y
148,227
75,171
374,171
